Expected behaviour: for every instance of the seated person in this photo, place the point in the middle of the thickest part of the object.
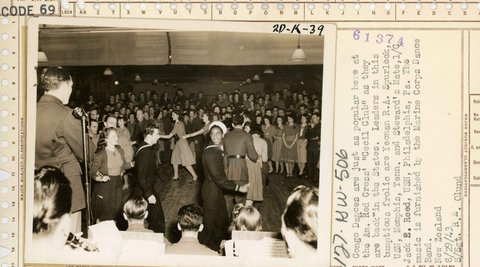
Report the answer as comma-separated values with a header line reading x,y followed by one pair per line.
x,y
245,218
190,222
135,212
52,200
300,222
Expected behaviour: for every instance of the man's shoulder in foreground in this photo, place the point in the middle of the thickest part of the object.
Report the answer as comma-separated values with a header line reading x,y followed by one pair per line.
x,y
189,246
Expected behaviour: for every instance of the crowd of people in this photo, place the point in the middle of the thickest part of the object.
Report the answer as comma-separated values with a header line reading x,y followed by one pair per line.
x,y
288,121
231,142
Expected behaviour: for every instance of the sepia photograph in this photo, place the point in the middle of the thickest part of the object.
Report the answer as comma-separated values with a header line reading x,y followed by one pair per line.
x,y
160,145
251,133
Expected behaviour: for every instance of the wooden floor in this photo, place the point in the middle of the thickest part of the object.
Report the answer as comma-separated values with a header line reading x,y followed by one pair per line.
x,y
175,194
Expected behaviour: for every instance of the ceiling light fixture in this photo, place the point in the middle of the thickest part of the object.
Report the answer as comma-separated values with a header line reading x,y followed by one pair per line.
x,y
169,42
42,57
298,53
108,72
268,71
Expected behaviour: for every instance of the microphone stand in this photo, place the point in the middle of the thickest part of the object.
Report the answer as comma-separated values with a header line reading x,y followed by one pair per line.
x,y
85,162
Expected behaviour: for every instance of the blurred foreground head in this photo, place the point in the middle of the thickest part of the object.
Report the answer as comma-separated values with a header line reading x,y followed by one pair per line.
x,y
52,199
300,222
51,210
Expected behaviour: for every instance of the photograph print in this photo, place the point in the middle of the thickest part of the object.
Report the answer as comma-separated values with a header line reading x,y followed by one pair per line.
x,y
151,144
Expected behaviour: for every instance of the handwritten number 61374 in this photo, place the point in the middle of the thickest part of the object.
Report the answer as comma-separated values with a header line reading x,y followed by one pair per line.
x,y
378,38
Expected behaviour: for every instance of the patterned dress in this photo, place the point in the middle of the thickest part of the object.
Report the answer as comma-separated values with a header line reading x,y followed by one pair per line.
x,y
290,154
277,144
181,154
268,133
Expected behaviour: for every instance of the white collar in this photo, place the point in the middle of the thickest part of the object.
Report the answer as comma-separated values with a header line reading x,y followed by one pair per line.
x,y
219,146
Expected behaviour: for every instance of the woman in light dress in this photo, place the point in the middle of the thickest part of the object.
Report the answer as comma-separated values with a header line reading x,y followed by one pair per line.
x,y
289,149
181,154
277,145
255,191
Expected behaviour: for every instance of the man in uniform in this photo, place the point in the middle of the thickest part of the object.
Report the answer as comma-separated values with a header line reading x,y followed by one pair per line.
x,y
58,140
313,148
238,145
145,165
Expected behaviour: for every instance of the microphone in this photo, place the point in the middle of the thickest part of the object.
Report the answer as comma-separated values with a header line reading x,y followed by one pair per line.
x,y
79,112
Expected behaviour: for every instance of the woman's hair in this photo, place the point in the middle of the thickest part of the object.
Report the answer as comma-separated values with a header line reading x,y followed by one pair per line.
x,y
52,198
213,114
135,208
290,115
301,214
269,118
121,117
245,218
179,113
52,77
256,129
102,140
279,117
208,114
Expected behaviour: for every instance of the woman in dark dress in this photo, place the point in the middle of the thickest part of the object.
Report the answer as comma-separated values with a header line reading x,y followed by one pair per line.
x,y
215,183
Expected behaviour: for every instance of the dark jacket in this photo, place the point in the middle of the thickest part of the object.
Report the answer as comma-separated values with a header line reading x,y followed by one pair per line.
x,y
145,166
213,164
313,137
58,143
214,186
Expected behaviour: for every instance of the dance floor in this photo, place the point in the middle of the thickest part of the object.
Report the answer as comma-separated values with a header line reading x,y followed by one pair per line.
x,y
175,194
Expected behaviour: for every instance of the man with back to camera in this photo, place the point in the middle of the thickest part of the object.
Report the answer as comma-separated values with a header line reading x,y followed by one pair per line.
x,y
238,145
58,138
190,222
135,212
